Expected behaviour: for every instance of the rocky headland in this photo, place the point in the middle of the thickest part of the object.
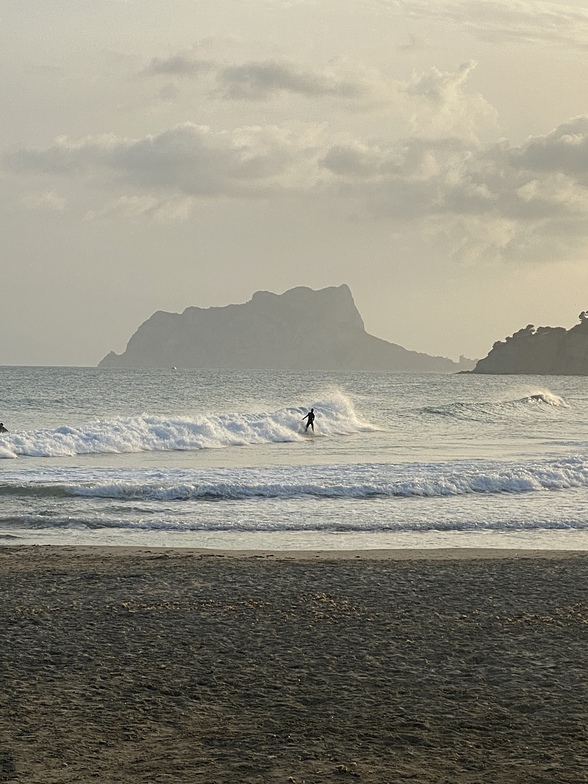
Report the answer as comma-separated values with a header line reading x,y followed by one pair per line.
x,y
540,351
301,329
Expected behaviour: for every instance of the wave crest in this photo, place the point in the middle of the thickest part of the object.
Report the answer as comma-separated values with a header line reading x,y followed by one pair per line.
x,y
528,405
358,481
546,397
145,433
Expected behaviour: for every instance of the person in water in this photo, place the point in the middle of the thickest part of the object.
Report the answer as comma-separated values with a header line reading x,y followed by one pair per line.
x,y
310,418
2,428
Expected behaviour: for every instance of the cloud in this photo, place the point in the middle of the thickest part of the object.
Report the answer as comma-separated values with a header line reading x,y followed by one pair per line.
x,y
168,92
47,200
136,209
453,174
519,203
453,177
530,21
414,44
188,159
563,150
360,160
433,102
438,104
485,200
265,79
177,65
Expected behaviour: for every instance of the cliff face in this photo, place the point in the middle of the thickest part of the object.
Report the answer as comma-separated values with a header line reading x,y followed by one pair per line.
x,y
300,329
544,351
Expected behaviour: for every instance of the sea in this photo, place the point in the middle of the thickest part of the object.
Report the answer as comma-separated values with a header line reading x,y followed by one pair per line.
x,y
219,459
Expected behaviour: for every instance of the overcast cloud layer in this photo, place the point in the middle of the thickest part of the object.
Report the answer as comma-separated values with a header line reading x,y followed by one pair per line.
x,y
432,155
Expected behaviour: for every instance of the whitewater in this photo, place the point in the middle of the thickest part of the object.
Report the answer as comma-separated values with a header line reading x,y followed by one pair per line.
x,y
221,459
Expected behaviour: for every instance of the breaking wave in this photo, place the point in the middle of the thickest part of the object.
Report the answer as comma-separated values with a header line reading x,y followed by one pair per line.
x,y
359,481
284,524
533,403
145,433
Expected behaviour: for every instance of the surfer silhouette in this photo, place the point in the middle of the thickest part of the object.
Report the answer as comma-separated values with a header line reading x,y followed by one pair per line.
x,y
310,418
2,428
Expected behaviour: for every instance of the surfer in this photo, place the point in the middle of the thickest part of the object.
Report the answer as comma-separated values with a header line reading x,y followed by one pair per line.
x,y
2,428
310,418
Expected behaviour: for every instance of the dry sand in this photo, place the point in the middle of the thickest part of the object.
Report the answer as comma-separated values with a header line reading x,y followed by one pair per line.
x,y
121,665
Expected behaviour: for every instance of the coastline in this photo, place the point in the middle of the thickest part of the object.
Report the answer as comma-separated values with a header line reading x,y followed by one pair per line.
x,y
157,665
384,554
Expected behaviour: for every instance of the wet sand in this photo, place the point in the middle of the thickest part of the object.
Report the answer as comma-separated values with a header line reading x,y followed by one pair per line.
x,y
153,666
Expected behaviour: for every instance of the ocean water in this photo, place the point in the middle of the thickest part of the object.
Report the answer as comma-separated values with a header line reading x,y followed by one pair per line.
x,y
219,459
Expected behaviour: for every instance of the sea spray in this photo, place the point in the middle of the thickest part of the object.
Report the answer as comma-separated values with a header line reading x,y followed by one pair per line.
x,y
528,406
546,397
336,416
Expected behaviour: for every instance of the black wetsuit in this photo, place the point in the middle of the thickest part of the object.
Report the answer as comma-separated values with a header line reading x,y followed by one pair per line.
x,y
310,418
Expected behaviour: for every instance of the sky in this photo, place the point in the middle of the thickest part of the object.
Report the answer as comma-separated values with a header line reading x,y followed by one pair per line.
x,y
157,155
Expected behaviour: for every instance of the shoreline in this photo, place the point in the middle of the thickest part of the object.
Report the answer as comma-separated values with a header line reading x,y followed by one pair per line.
x,y
168,666
387,554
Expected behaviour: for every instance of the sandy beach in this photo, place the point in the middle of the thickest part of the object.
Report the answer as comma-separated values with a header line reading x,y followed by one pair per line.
x,y
122,665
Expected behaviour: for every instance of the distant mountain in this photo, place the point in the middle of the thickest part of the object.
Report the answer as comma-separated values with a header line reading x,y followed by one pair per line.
x,y
541,351
301,329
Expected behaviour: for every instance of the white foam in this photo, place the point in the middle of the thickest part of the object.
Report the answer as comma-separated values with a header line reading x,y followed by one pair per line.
x,y
531,405
335,415
546,397
358,481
